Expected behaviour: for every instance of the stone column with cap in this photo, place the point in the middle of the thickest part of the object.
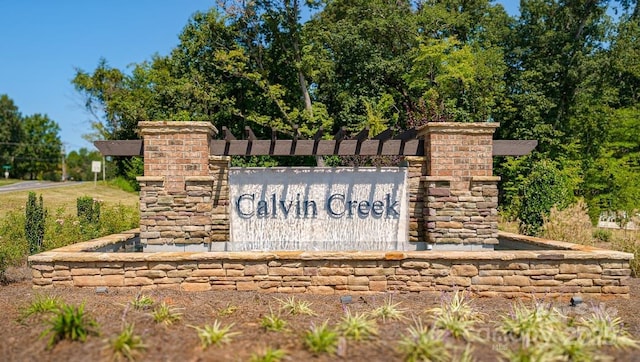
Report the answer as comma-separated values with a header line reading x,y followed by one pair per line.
x,y
461,193
176,191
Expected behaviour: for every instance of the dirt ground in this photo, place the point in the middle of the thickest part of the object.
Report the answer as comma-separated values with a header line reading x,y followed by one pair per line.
x,y
21,341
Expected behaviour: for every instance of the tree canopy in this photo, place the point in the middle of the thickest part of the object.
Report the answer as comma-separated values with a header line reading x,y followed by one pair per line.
x,y
565,73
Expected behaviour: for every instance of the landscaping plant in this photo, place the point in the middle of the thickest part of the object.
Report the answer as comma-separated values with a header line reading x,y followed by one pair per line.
x,y
389,310
273,322
166,314
70,322
142,302
35,215
127,345
321,339
294,307
424,344
41,305
269,355
215,334
457,316
357,326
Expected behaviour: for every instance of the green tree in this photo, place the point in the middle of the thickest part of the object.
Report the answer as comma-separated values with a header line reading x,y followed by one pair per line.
x,y
10,130
39,153
79,164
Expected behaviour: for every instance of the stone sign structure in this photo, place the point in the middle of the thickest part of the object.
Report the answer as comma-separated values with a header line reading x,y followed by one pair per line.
x,y
451,191
189,194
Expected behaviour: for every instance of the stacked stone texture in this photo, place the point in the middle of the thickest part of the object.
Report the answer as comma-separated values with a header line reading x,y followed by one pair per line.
x,y
176,217
511,274
457,216
417,167
219,170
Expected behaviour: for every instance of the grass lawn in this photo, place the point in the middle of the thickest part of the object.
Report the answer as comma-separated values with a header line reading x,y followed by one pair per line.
x,y
5,182
66,197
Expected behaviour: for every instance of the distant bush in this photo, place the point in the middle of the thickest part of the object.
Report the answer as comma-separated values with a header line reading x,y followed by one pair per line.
x,y
125,184
603,235
88,209
571,224
545,187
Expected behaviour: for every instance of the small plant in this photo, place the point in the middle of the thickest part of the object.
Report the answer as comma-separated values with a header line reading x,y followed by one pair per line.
x,y
228,310
321,339
127,345
389,310
166,314
70,322
295,307
604,329
357,327
273,322
269,355
532,325
457,316
35,216
573,346
41,305
142,302
424,344
215,334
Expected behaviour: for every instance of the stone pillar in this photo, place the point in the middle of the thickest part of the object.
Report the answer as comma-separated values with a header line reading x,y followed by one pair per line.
x,y
177,189
461,195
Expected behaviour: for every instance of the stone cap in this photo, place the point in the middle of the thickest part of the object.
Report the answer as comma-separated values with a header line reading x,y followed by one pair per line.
x,y
485,178
150,178
457,127
164,127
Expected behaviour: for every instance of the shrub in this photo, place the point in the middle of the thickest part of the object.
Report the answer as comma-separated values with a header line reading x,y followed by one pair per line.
x,y
88,210
35,216
571,224
543,188
603,235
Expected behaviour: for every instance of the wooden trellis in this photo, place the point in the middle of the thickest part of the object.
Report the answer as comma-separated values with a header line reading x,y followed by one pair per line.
x,y
386,143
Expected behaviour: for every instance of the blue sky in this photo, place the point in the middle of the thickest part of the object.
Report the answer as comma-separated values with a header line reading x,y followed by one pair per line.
x,y
44,41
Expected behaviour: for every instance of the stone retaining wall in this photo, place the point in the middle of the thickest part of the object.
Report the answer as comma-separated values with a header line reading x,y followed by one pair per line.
x,y
549,273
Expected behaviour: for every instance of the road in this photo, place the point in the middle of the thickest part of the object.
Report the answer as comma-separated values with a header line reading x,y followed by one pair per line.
x,y
33,185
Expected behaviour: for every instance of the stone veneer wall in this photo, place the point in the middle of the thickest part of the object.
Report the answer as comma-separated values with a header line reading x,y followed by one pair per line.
x,y
549,273
416,168
462,216
176,217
